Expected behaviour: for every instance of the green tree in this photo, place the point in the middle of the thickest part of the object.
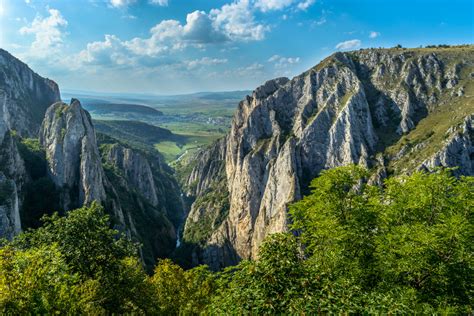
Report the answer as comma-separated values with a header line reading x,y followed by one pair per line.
x,y
95,253
405,247
38,281
177,291
276,283
425,237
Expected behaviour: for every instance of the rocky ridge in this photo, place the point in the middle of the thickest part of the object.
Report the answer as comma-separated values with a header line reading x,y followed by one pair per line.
x,y
357,107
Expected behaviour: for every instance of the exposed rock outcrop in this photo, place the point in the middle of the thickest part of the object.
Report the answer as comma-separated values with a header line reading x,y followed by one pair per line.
x,y
457,151
136,169
73,158
24,97
147,195
345,110
10,223
66,167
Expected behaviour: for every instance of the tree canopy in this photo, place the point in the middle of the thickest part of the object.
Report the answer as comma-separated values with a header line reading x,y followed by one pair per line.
x,y
404,247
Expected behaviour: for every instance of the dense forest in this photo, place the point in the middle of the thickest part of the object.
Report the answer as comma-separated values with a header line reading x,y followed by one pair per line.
x,y
405,247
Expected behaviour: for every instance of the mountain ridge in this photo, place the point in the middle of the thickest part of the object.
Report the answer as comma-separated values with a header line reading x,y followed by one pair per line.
x,y
353,107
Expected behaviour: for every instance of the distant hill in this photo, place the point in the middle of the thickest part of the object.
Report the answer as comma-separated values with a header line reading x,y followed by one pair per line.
x,y
110,108
136,132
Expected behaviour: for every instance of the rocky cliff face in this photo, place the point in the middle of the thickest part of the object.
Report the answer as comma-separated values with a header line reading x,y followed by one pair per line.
x,y
457,150
73,158
360,107
24,97
124,180
10,223
148,196
65,169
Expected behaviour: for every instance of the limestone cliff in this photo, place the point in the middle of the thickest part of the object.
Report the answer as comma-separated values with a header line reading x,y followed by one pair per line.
x,y
149,198
24,97
123,179
372,107
73,158
10,223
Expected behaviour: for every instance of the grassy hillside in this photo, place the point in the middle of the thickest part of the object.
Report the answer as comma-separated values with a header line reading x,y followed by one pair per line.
x,y
150,137
174,125
120,109
451,109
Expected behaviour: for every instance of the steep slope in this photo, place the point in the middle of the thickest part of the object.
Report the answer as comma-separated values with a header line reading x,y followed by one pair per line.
x,y
24,98
367,107
73,158
147,193
120,178
59,167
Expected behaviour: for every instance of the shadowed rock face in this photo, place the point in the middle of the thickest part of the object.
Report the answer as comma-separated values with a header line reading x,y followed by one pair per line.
x,y
336,113
137,170
73,158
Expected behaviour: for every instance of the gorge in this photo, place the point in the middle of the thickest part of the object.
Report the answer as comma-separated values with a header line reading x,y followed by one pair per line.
x,y
393,111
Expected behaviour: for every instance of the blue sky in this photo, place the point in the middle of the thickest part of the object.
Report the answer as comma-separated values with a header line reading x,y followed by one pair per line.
x,y
181,46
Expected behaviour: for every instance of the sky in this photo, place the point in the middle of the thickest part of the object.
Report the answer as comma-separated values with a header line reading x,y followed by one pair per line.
x,y
184,46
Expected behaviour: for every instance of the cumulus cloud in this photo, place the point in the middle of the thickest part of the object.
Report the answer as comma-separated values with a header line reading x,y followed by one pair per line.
x,y
111,51
236,21
351,44
48,32
199,28
374,34
231,23
280,62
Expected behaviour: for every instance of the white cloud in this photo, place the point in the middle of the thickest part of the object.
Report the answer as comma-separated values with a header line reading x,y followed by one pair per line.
x,y
280,62
230,23
276,5
236,21
270,5
199,28
254,70
48,33
111,51
121,3
374,34
355,43
319,22
304,5
205,61
162,3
